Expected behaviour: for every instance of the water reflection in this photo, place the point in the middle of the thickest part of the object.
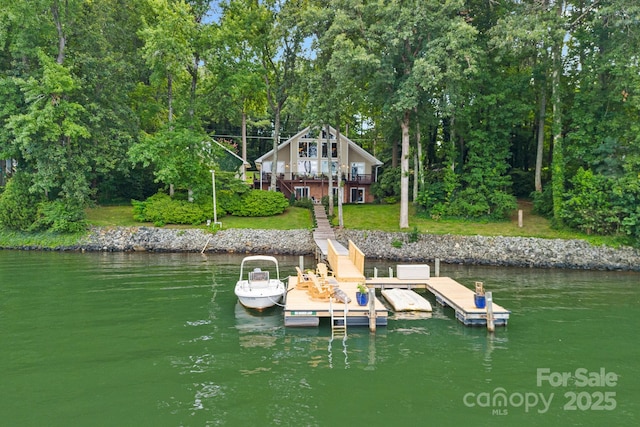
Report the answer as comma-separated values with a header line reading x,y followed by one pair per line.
x,y
258,329
340,340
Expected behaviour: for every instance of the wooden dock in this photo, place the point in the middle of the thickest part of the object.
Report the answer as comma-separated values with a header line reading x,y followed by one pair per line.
x,y
303,310
450,293
313,295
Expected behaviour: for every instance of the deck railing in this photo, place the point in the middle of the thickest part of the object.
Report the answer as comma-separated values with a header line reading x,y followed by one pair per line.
x,y
291,176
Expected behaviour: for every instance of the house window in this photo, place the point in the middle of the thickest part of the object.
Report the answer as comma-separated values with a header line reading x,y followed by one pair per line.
x,y
308,149
325,167
307,167
357,195
334,149
357,170
301,192
266,167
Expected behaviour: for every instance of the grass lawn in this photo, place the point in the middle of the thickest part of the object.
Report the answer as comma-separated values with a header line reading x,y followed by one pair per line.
x,y
387,218
293,218
374,217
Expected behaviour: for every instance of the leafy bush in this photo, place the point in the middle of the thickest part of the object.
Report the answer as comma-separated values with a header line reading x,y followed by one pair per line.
x,y
160,209
543,202
261,203
227,201
18,206
397,244
414,235
602,204
60,216
304,203
388,184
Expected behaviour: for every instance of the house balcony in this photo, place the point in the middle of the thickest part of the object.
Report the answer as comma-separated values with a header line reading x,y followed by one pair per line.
x,y
293,178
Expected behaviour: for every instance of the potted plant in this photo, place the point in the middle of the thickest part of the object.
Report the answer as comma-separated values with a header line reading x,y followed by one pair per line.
x,y
362,294
479,297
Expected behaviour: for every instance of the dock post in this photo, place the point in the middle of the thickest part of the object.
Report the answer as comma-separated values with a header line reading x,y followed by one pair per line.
x,y
490,322
437,272
390,272
301,262
372,309
375,272
520,222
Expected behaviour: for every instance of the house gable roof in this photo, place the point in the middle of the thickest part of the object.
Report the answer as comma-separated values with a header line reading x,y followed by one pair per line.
x,y
352,145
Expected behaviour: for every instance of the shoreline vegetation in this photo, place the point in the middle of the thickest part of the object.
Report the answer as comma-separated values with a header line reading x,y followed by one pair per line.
x,y
403,246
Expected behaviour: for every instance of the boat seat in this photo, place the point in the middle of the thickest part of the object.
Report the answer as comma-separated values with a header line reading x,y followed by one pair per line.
x,y
258,276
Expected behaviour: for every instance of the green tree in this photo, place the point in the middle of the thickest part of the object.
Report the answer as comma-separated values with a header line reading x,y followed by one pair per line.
x,y
408,49
52,133
274,33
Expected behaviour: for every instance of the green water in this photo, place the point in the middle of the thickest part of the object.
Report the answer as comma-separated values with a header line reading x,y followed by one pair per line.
x,y
159,340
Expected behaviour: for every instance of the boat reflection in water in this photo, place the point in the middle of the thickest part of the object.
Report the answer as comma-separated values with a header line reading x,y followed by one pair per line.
x,y
258,328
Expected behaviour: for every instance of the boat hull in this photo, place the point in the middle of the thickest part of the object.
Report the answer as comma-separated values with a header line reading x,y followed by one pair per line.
x,y
259,303
260,299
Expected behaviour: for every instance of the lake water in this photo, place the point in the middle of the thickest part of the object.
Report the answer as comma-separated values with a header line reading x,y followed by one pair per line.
x,y
119,339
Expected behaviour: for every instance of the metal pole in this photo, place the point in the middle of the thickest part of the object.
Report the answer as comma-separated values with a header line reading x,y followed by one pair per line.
x,y
213,184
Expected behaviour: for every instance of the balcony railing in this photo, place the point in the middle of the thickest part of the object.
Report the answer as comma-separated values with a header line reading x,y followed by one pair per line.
x,y
292,177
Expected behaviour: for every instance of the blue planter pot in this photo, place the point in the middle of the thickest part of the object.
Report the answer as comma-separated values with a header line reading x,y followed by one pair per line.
x,y
480,300
362,299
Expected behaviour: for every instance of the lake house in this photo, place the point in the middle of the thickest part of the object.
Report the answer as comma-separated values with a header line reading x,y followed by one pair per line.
x,y
305,159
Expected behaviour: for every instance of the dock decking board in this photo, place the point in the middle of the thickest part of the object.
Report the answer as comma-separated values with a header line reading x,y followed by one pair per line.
x,y
301,310
451,293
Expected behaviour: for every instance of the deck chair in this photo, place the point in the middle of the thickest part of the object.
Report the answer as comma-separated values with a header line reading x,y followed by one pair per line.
x,y
303,280
319,290
323,271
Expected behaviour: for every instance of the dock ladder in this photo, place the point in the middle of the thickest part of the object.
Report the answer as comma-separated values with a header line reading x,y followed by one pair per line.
x,y
338,321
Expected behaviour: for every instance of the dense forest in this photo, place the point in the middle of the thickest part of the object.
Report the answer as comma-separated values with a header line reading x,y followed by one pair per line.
x,y
471,104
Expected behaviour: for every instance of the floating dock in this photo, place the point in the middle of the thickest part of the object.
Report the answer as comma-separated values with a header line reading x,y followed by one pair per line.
x,y
450,293
330,291
303,310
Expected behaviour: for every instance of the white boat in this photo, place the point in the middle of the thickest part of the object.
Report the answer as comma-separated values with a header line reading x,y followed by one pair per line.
x,y
257,290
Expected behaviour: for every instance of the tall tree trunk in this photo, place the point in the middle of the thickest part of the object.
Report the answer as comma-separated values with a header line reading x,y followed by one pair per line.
x,y
329,151
540,147
170,96
276,142
62,41
193,70
452,136
557,163
244,144
415,176
419,177
404,171
340,185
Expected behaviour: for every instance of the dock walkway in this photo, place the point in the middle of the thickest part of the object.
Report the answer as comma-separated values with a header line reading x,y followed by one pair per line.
x,y
323,231
303,307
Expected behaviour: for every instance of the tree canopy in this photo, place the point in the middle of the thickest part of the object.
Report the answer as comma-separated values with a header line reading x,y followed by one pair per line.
x,y
474,103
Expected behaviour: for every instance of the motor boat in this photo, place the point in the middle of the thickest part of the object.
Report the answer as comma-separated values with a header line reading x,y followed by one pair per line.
x,y
259,289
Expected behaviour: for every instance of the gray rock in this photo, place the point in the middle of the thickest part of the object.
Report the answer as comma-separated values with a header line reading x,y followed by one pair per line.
x,y
451,249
